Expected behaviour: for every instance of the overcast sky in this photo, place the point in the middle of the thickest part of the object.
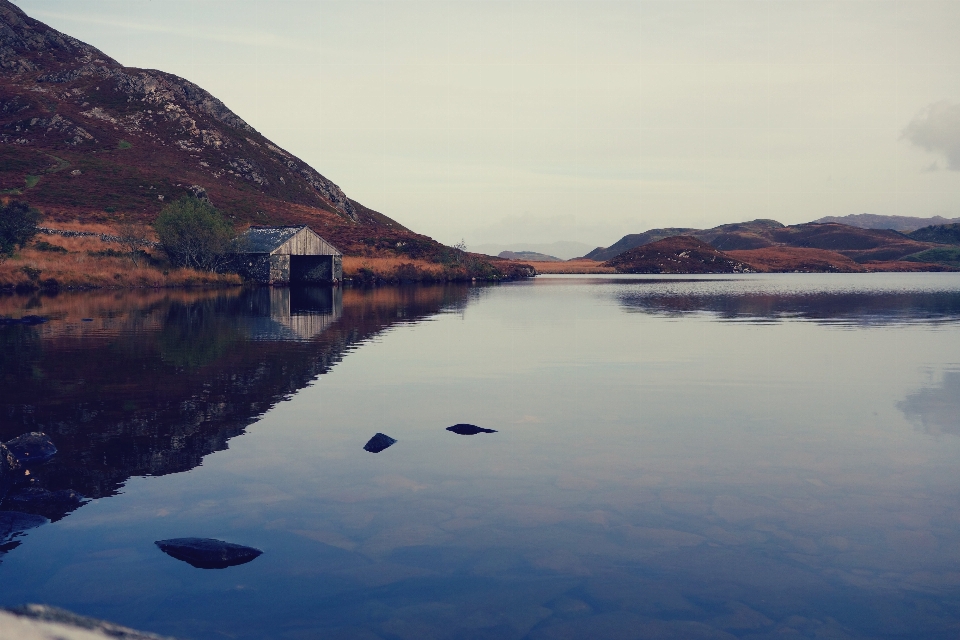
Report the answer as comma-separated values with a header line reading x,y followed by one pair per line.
x,y
506,121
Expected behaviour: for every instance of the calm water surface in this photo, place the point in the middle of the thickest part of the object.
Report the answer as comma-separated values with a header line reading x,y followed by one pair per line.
x,y
750,457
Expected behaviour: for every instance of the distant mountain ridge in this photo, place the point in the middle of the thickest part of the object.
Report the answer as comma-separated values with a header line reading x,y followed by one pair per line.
x,y
529,256
563,249
897,223
856,243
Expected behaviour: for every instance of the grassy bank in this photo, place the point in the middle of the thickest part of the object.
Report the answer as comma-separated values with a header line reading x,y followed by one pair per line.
x,y
52,261
57,262
385,269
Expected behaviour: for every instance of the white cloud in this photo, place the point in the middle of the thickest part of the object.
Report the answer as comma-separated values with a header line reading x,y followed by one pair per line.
x,y
937,129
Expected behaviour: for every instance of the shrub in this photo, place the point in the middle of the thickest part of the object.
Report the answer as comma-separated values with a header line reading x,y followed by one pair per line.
x,y
43,245
194,234
18,225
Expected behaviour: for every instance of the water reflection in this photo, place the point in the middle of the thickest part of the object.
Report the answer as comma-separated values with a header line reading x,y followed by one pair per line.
x,y
658,474
159,380
759,299
936,409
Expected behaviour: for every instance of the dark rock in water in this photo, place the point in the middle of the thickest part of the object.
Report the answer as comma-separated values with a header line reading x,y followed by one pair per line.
x,y
33,320
207,553
31,448
8,469
49,504
469,429
378,443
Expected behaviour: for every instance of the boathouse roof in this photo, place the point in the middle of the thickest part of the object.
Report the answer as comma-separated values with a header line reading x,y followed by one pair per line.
x,y
292,240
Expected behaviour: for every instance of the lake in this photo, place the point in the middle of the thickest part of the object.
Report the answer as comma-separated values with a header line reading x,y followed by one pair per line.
x,y
758,456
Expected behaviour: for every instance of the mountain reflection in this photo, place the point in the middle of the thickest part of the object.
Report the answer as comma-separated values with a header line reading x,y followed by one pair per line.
x,y
158,380
860,308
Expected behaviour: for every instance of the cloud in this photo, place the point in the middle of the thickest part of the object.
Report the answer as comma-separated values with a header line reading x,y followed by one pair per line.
x,y
937,129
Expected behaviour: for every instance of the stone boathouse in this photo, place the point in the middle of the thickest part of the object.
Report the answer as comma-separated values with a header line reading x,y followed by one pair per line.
x,y
285,255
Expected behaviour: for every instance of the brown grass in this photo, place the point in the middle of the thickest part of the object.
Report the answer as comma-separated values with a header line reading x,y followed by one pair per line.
x,y
791,259
577,265
384,266
905,265
78,270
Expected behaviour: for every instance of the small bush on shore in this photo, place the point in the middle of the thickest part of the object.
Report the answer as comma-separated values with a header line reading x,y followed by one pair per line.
x,y
18,225
194,234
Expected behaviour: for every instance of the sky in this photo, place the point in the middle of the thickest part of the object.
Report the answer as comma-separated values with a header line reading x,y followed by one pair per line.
x,y
501,121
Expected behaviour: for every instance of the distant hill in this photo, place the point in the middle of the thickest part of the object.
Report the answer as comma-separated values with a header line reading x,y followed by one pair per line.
x,y
860,245
564,249
726,237
689,255
897,223
529,256
632,240
678,254
940,233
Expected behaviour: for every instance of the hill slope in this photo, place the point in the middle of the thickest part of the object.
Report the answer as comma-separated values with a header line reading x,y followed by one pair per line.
x,y
84,138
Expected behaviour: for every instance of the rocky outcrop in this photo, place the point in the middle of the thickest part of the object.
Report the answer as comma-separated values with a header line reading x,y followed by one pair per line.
x,y
43,622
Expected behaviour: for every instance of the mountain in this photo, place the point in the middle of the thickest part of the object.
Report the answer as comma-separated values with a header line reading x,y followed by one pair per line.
x,y
860,245
678,254
897,223
529,256
563,249
940,233
739,235
85,138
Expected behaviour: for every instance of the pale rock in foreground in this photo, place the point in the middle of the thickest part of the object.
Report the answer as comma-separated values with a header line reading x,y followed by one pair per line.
x,y
41,622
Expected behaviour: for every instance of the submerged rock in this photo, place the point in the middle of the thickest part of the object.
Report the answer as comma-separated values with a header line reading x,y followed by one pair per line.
x,y
469,429
207,553
378,443
32,448
49,504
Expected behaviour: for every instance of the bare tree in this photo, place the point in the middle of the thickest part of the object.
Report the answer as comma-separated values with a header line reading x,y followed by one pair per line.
x,y
461,251
134,237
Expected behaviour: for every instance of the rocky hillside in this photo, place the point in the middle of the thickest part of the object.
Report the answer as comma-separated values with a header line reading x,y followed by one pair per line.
x,y
84,138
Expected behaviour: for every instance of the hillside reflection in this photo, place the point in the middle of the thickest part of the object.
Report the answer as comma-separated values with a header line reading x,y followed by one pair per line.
x,y
148,383
860,308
